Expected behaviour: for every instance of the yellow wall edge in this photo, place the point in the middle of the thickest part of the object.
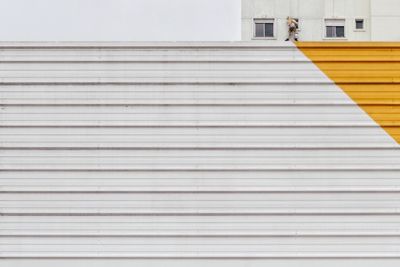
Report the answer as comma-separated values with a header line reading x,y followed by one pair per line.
x,y
368,72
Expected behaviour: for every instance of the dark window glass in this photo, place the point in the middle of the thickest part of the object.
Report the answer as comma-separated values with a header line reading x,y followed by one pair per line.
x,y
359,24
330,31
340,31
335,31
269,30
260,30
264,29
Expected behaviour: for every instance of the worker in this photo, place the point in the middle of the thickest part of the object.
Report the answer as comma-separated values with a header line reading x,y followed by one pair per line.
x,y
293,27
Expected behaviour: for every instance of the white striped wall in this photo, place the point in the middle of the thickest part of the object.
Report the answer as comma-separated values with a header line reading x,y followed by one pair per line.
x,y
224,154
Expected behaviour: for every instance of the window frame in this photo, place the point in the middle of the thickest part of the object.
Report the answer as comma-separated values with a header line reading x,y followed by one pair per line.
x,y
264,21
355,25
334,22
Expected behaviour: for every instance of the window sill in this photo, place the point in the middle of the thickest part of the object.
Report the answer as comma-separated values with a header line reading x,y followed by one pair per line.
x,y
264,38
334,39
359,30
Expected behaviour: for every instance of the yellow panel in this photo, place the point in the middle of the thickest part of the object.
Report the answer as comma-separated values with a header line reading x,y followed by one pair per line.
x,y
369,72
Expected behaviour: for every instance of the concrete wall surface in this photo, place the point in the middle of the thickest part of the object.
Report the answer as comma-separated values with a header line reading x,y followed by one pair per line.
x,y
381,18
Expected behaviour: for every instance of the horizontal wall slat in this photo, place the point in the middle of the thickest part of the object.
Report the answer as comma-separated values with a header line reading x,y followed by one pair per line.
x,y
203,247
200,226
207,203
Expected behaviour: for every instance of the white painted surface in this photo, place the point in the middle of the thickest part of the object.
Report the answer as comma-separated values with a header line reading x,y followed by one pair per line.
x,y
120,20
189,20
188,155
385,20
381,18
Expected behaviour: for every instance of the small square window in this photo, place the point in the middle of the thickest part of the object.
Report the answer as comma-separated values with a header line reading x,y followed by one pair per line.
x,y
359,24
335,31
335,28
264,28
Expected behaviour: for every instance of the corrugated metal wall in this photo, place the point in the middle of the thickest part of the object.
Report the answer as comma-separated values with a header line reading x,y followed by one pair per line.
x,y
189,155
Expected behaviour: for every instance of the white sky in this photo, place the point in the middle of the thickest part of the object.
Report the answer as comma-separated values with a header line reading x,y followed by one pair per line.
x,y
119,20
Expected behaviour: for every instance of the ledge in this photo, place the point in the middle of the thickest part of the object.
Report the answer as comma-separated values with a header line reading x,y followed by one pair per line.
x,y
58,45
343,44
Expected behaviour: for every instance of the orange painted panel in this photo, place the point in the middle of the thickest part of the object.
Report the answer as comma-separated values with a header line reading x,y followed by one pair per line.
x,y
368,72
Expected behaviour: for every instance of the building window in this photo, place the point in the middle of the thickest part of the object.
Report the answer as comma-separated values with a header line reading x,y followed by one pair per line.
x,y
360,24
335,28
264,28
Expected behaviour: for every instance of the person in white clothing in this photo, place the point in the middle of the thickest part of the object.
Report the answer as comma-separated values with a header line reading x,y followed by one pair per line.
x,y
293,27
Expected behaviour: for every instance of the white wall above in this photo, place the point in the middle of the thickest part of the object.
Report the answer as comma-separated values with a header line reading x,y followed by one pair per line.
x,y
120,20
381,18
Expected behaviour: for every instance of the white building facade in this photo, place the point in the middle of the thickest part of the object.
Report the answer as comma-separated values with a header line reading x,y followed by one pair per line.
x,y
322,20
